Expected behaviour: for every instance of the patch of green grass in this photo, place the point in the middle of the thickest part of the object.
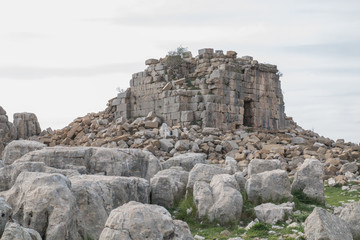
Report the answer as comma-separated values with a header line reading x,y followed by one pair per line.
x,y
259,230
203,227
334,196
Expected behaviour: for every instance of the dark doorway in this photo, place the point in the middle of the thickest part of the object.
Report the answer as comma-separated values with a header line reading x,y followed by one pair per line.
x,y
248,113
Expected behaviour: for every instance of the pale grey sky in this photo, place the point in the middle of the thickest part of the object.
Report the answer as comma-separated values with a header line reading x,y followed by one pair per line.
x,y
63,59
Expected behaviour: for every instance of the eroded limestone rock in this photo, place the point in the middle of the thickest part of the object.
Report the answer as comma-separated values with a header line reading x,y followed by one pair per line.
x,y
16,149
269,186
168,186
44,202
137,221
321,224
309,180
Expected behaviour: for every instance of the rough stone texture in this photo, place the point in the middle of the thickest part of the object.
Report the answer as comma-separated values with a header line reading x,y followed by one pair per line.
x,y
7,130
182,145
166,145
349,167
137,221
2,164
27,125
91,160
271,213
186,161
9,173
241,180
203,172
45,203
309,180
321,224
14,231
219,91
351,215
269,186
5,213
16,149
168,186
97,195
220,200
260,165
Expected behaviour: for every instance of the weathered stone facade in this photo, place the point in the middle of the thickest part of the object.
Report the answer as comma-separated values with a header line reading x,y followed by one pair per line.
x,y
212,90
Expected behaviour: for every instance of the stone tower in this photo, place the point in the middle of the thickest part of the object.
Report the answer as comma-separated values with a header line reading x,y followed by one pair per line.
x,y
212,89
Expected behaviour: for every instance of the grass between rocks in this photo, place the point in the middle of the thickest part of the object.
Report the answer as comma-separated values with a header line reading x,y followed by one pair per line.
x,y
335,196
215,230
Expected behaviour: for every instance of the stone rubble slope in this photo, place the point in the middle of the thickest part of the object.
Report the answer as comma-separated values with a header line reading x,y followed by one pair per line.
x,y
82,181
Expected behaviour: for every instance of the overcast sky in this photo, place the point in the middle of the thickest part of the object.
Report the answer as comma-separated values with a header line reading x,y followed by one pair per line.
x,y
63,59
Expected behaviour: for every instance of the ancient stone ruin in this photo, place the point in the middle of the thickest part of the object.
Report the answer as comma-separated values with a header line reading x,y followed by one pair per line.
x,y
212,90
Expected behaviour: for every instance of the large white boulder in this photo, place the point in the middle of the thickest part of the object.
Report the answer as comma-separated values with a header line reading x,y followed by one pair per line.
x,y
97,195
203,172
186,161
271,213
220,200
14,231
321,224
351,215
92,160
168,186
269,186
261,165
44,202
5,213
138,221
18,148
309,180
9,173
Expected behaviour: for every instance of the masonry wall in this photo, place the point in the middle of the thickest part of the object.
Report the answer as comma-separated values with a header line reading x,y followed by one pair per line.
x,y
212,90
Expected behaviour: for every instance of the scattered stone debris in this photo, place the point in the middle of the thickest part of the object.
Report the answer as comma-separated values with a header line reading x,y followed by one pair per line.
x,y
188,131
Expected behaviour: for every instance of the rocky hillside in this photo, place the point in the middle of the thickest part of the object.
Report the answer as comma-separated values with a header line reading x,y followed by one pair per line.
x,y
90,179
108,177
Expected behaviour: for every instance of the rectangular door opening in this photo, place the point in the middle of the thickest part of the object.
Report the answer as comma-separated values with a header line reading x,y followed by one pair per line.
x,y
248,113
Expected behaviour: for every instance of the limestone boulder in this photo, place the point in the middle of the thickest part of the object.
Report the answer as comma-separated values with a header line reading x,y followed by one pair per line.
x,y
5,214
203,172
269,186
321,224
349,167
92,160
351,215
44,202
27,125
16,231
137,221
309,180
9,173
220,200
298,140
271,213
260,165
187,161
182,145
96,196
18,148
124,162
168,186
166,145
7,130
2,164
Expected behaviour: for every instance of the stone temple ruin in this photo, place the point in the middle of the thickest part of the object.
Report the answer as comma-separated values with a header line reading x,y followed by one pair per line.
x,y
212,89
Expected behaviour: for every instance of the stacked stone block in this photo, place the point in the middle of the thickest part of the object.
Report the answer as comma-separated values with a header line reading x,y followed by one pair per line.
x,y
212,90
